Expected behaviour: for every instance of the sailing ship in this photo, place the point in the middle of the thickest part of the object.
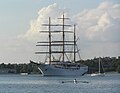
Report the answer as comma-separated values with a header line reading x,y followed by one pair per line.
x,y
100,67
62,65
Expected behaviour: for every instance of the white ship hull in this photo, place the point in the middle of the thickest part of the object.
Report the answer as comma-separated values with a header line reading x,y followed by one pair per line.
x,y
98,74
51,70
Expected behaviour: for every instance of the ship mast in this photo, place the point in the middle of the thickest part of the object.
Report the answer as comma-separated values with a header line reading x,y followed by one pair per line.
x,y
49,41
74,44
63,40
61,43
63,35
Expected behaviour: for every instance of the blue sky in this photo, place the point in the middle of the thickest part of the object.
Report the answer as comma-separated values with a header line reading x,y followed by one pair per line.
x,y
16,15
20,12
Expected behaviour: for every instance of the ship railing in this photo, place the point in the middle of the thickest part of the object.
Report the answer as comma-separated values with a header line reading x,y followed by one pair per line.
x,y
65,67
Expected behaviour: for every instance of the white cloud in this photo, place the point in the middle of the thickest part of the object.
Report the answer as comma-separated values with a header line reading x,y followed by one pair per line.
x,y
98,29
94,27
52,11
104,6
101,23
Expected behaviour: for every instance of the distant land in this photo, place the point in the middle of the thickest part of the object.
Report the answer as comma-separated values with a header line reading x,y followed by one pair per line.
x,y
110,64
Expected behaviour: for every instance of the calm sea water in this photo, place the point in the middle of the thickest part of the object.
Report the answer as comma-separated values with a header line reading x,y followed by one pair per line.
x,y
38,84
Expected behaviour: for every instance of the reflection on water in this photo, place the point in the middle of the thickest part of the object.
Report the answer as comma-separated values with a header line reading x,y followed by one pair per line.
x,y
38,84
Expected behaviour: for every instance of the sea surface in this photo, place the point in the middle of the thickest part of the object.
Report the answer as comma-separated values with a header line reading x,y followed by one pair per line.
x,y
11,83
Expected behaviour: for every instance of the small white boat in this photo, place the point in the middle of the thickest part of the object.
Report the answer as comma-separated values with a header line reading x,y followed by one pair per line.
x,y
99,72
74,81
23,73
